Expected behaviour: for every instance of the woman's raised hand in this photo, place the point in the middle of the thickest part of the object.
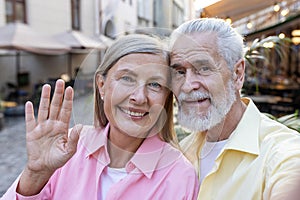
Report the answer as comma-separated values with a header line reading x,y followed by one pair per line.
x,y
49,146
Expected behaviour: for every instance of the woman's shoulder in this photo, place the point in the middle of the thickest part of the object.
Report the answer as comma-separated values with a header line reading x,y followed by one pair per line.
x,y
177,166
175,157
90,139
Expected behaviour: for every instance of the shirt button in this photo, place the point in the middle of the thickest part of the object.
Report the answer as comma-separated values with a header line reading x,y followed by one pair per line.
x,y
130,166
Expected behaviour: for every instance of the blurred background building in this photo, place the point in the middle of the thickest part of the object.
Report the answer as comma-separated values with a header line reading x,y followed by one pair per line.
x,y
272,36
29,57
41,41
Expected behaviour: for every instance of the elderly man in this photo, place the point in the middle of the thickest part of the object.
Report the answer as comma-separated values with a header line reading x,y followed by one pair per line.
x,y
238,152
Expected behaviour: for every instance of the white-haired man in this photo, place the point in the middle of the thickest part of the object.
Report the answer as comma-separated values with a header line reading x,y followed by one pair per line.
x,y
238,152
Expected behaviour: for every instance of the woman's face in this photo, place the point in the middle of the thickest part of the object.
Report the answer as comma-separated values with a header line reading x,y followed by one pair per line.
x,y
134,92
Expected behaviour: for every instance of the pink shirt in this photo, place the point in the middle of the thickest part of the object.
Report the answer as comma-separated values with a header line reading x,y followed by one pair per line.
x,y
156,171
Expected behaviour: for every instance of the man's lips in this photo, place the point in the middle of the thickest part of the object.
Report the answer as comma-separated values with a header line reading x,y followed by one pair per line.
x,y
197,102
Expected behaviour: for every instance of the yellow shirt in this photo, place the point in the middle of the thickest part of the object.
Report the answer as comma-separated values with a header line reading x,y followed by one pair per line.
x,y
261,160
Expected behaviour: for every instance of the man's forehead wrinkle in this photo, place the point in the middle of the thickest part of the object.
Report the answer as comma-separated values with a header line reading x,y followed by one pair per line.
x,y
190,54
182,59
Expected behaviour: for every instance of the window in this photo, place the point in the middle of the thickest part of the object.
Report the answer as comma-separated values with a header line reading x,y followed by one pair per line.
x,y
177,15
144,15
15,11
75,10
155,13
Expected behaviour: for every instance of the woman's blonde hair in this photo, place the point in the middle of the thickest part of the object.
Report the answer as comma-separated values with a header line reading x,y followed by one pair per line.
x,y
134,43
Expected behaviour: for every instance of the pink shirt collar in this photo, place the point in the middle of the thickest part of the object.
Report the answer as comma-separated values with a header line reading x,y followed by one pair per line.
x,y
145,160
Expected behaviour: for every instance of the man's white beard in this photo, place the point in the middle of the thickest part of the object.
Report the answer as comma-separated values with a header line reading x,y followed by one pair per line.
x,y
220,107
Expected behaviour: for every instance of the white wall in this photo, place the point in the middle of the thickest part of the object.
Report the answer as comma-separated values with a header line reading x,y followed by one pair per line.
x,y
49,17
88,17
54,16
2,13
163,14
189,10
145,11
126,17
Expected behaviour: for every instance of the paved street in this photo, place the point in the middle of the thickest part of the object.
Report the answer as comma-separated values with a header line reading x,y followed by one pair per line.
x,y
12,141
13,151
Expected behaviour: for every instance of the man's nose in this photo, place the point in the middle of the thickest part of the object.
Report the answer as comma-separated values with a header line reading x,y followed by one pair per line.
x,y
139,95
191,82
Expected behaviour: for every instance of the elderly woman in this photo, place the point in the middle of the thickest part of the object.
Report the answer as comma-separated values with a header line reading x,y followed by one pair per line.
x,y
129,153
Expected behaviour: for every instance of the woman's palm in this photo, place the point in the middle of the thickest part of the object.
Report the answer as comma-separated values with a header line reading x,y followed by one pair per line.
x,y
49,146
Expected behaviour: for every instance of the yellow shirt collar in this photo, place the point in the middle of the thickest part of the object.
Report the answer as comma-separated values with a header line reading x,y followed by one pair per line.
x,y
248,138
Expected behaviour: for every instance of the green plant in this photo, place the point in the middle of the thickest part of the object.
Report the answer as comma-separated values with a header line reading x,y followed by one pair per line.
x,y
181,132
260,50
291,120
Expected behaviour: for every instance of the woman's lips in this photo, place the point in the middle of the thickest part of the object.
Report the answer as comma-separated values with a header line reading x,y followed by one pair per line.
x,y
134,114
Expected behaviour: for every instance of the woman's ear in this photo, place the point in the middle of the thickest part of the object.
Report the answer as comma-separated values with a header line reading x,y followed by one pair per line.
x,y
100,84
239,73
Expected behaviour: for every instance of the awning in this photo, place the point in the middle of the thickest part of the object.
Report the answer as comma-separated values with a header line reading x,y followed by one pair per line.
x,y
20,36
238,9
289,23
78,40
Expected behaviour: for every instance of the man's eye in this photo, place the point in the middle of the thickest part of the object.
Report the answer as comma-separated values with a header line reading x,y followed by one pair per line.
x,y
179,72
127,78
203,70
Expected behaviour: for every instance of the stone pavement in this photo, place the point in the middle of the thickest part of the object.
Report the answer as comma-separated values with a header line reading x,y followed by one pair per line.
x,y
13,146
12,151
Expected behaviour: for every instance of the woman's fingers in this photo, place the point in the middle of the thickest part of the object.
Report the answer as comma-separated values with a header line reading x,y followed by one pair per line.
x,y
29,117
60,108
66,108
56,102
44,103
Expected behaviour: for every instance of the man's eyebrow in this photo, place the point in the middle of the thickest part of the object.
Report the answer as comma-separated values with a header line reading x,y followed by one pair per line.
x,y
175,65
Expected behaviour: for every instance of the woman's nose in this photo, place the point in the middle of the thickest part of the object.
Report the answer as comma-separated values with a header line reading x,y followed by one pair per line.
x,y
139,95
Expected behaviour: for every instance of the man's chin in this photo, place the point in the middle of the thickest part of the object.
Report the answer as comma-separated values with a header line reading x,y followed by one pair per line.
x,y
193,124
199,123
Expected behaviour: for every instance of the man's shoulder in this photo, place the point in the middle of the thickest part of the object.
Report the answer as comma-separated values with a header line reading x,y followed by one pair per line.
x,y
270,128
187,141
279,140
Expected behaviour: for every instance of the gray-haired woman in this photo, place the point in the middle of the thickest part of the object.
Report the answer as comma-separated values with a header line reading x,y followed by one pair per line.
x,y
129,153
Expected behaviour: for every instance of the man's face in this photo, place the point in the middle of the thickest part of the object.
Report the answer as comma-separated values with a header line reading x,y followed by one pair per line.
x,y
201,81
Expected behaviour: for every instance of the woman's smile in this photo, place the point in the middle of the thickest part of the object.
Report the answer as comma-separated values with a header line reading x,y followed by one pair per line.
x,y
134,114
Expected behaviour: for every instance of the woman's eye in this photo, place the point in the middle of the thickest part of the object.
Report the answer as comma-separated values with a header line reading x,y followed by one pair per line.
x,y
155,85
